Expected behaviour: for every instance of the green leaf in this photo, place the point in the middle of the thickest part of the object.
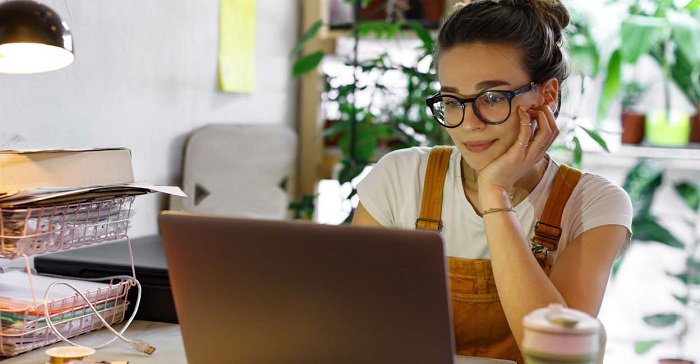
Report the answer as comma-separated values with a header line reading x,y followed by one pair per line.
x,y
366,141
307,63
686,76
694,267
423,34
379,28
682,300
643,347
578,153
646,228
596,136
641,184
611,86
693,5
304,207
662,319
350,170
637,35
690,194
693,280
585,55
306,37
686,34
337,128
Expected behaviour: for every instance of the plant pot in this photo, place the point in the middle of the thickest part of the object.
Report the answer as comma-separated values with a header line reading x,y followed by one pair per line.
x,y
632,128
375,10
695,127
433,10
667,129
675,361
421,10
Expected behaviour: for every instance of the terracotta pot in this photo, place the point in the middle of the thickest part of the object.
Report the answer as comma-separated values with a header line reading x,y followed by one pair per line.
x,y
695,127
429,10
675,361
632,128
432,10
375,10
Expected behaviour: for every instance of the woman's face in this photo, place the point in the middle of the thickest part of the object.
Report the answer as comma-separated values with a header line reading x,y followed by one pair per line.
x,y
469,69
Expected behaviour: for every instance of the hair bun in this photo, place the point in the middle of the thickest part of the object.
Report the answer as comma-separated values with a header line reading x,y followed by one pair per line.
x,y
552,12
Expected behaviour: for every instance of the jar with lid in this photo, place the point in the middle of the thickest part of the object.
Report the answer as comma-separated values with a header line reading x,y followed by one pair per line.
x,y
560,335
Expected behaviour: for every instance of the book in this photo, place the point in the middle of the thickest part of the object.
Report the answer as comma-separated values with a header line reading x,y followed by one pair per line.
x,y
29,169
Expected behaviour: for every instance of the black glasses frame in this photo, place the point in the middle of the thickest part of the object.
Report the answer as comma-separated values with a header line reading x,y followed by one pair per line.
x,y
509,95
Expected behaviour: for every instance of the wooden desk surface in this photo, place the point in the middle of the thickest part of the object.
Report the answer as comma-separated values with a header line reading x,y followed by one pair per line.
x,y
165,337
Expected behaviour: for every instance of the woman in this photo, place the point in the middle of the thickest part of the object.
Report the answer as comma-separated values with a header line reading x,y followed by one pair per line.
x,y
500,66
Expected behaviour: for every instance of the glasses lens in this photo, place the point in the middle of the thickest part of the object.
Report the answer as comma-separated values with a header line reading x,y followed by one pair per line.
x,y
493,107
448,111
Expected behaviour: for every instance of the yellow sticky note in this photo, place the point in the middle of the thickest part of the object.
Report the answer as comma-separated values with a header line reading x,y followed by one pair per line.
x,y
237,46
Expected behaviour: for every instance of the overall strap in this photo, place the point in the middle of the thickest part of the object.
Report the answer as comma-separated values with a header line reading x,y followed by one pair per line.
x,y
431,203
548,228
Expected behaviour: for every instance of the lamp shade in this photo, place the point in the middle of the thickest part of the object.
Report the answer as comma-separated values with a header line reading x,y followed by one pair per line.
x,y
33,39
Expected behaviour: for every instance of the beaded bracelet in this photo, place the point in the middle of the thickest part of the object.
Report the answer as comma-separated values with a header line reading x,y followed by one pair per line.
x,y
491,211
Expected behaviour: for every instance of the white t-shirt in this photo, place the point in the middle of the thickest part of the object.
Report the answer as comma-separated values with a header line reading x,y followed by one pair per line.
x,y
392,194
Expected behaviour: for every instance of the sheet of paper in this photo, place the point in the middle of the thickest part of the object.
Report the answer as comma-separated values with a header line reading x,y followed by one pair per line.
x,y
237,46
42,196
15,291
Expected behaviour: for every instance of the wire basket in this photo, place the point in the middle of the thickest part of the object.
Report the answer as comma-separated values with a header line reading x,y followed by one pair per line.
x,y
24,327
38,230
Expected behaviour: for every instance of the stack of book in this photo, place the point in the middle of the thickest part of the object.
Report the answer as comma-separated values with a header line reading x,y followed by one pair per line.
x,y
53,200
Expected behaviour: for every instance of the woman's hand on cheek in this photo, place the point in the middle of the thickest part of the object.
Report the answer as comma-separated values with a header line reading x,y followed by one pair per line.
x,y
526,152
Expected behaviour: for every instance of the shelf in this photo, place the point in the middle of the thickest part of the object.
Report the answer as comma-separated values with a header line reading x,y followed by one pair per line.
x,y
690,152
38,230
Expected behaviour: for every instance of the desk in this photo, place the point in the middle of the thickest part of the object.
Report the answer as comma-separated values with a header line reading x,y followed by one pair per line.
x,y
165,337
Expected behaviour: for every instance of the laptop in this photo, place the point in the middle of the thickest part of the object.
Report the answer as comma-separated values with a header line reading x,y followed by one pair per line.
x,y
268,291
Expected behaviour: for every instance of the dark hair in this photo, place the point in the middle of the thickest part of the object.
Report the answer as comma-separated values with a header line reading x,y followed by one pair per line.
x,y
533,26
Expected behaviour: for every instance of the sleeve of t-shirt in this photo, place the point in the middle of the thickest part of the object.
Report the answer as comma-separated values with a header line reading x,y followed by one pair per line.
x,y
602,203
390,178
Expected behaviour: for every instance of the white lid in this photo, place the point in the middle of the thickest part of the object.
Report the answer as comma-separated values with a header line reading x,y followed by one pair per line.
x,y
556,318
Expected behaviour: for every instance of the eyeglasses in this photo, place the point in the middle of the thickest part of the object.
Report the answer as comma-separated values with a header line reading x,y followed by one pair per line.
x,y
492,107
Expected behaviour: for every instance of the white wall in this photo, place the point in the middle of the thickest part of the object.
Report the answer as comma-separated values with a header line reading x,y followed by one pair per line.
x,y
145,76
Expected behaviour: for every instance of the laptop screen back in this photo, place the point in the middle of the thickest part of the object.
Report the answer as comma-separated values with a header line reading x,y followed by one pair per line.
x,y
264,291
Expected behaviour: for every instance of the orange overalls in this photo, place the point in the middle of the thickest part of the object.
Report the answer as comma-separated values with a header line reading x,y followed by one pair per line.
x,y
480,326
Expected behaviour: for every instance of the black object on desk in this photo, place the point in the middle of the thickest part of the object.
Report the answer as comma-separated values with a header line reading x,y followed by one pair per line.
x,y
109,259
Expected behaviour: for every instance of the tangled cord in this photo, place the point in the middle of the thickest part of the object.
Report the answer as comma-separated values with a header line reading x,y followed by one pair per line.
x,y
137,344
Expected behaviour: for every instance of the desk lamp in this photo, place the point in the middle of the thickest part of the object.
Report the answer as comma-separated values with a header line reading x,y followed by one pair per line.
x,y
33,39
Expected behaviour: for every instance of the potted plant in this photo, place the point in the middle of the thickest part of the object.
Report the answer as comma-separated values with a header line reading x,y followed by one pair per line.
x,y
370,113
669,33
585,66
686,69
642,184
632,118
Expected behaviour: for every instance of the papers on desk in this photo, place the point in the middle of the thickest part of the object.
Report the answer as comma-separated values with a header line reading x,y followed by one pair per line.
x,y
46,196
41,220
23,325
16,294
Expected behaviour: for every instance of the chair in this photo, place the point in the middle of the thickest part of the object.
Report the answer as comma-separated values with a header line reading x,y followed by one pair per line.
x,y
238,170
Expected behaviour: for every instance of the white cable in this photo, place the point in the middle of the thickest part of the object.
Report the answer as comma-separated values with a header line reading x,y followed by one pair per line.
x,y
137,344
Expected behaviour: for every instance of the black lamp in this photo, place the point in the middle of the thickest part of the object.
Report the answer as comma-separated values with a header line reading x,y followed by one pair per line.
x,y
33,39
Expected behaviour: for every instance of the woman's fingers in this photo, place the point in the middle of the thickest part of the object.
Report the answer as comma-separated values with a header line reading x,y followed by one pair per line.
x,y
547,129
525,127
